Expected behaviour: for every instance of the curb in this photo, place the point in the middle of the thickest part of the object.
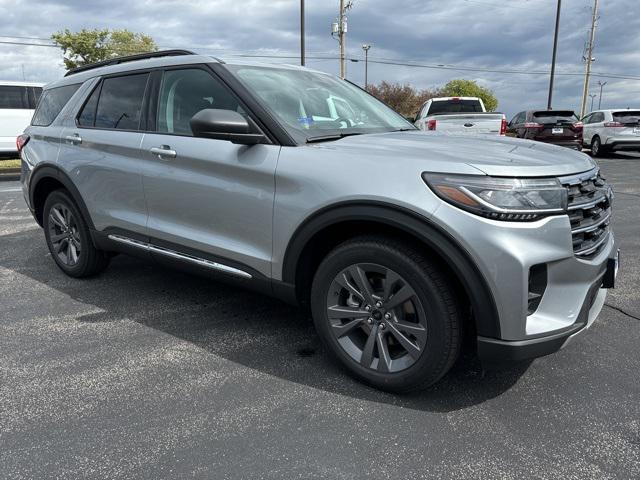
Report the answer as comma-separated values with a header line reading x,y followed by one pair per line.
x,y
10,175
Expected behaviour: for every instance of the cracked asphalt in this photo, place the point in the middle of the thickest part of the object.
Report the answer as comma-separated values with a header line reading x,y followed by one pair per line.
x,y
145,372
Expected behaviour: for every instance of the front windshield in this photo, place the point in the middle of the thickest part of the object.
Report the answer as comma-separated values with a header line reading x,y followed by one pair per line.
x,y
313,105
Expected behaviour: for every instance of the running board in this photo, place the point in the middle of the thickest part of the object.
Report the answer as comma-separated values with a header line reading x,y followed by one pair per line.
x,y
180,256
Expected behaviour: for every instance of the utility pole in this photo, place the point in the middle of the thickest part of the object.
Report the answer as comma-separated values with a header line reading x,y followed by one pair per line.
x,y
366,48
339,28
553,58
589,58
592,95
302,32
602,84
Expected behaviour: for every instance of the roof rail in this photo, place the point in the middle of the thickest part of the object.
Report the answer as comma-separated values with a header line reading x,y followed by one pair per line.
x,y
129,58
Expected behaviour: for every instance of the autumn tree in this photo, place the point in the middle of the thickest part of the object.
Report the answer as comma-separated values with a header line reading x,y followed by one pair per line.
x,y
90,46
403,98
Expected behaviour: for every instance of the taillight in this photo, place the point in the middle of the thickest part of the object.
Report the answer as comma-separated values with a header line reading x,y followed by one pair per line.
x,y
21,141
503,126
578,125
614,124
431,124
532,125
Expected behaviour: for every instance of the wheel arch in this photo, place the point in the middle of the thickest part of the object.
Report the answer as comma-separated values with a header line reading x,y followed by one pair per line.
x,y
46,178
335,224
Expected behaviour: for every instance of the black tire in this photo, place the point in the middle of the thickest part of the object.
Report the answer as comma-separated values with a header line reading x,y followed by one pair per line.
x,y
87,260
597,149
433,297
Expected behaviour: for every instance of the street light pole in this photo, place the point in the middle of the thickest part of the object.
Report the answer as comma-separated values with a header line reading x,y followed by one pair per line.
x,y
592,95
366,48
589,58
555,51
302,33
602,84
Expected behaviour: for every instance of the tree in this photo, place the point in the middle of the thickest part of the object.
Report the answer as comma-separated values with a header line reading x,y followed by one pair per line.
x,y
90,46
404,99
469,88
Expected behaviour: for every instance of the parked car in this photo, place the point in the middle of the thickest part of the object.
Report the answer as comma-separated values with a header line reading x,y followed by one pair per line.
x,y
559,127
612,130
399,243
17,102
460,115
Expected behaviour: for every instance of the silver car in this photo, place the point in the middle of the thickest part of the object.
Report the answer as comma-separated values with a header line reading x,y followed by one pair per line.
x,y
303,186
608,131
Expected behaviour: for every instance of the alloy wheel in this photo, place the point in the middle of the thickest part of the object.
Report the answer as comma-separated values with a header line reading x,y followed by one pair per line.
x,y
64,235
376,317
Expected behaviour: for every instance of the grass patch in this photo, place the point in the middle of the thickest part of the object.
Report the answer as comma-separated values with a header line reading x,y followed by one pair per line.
x,y
6,164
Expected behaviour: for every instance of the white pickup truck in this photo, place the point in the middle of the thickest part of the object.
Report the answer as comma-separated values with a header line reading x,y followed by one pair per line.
x,y
460,115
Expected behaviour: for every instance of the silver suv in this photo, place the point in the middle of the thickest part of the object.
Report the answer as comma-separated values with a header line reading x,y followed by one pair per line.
x,y
605,131
302,186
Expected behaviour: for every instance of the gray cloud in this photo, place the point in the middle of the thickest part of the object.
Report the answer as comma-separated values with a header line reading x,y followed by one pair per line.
x,y
477,33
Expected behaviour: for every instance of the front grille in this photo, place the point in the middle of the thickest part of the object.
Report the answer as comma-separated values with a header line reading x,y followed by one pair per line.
x,y
589,212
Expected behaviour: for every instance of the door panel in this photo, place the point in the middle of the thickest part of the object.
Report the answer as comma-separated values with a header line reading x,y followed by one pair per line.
x,y
105,166
213,196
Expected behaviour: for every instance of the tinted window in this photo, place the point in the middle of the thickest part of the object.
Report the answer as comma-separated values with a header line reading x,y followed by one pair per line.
x,y
18,97
51,104
628,116
555,116
597,117
87,116
186,92
586,120
120,103
455,106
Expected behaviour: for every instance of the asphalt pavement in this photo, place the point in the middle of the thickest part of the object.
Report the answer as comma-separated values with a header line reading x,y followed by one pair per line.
x,y
145,372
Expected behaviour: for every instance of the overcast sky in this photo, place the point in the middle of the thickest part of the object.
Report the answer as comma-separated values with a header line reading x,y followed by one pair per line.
x,y
484,34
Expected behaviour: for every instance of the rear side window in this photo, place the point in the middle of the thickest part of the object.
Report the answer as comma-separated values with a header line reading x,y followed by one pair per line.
x,y
454,106
555,116
120,102
627,116
51,104
87,117
19,97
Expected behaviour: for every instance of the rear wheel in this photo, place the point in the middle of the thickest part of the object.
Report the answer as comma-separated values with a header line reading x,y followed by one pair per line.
x,y
387,313
68,237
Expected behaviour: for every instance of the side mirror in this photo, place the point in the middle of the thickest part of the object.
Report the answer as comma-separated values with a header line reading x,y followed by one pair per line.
x,y
225,125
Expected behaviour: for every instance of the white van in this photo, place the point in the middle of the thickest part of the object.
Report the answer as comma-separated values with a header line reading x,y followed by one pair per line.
x,y
17,102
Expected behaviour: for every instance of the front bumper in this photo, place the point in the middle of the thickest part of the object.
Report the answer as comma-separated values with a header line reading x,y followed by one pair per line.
x,y
494,351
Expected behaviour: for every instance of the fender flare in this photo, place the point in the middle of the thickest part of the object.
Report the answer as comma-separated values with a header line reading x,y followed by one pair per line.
x,y
459,260
48,170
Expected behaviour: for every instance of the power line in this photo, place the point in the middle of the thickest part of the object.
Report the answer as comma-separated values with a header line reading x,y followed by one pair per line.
x,y
412,64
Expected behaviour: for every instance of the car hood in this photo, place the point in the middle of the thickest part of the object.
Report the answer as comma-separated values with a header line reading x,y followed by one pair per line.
x,y
491,155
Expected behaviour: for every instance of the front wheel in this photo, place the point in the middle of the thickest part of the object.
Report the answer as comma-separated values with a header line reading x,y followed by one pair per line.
x,y
597,149
387,313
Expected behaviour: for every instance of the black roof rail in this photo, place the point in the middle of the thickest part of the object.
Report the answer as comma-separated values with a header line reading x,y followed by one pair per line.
x,y
129,58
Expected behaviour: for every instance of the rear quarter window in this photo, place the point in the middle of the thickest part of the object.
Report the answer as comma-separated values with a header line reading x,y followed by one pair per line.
x,y
19,97
51,104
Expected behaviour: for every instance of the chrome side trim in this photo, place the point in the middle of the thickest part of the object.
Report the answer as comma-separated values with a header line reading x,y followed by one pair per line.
x,y
180,256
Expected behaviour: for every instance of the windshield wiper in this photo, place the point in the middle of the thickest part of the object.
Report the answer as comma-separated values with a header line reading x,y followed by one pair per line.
x,y
328,138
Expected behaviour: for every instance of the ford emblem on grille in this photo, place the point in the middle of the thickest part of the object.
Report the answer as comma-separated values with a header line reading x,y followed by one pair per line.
x,y
468,124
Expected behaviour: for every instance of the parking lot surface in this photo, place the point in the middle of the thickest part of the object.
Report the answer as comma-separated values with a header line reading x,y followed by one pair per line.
x,y
145,372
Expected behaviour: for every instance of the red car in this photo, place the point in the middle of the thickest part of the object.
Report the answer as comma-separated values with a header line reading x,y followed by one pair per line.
x,y
560,127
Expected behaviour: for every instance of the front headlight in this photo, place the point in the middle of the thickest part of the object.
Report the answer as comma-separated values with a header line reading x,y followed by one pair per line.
x,y
498,198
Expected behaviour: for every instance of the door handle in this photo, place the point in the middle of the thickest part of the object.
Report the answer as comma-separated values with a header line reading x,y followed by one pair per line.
x,y
74,139
163,151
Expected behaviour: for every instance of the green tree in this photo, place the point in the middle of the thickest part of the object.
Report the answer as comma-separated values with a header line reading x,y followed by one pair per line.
x,y
404,99
469,88
90,46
